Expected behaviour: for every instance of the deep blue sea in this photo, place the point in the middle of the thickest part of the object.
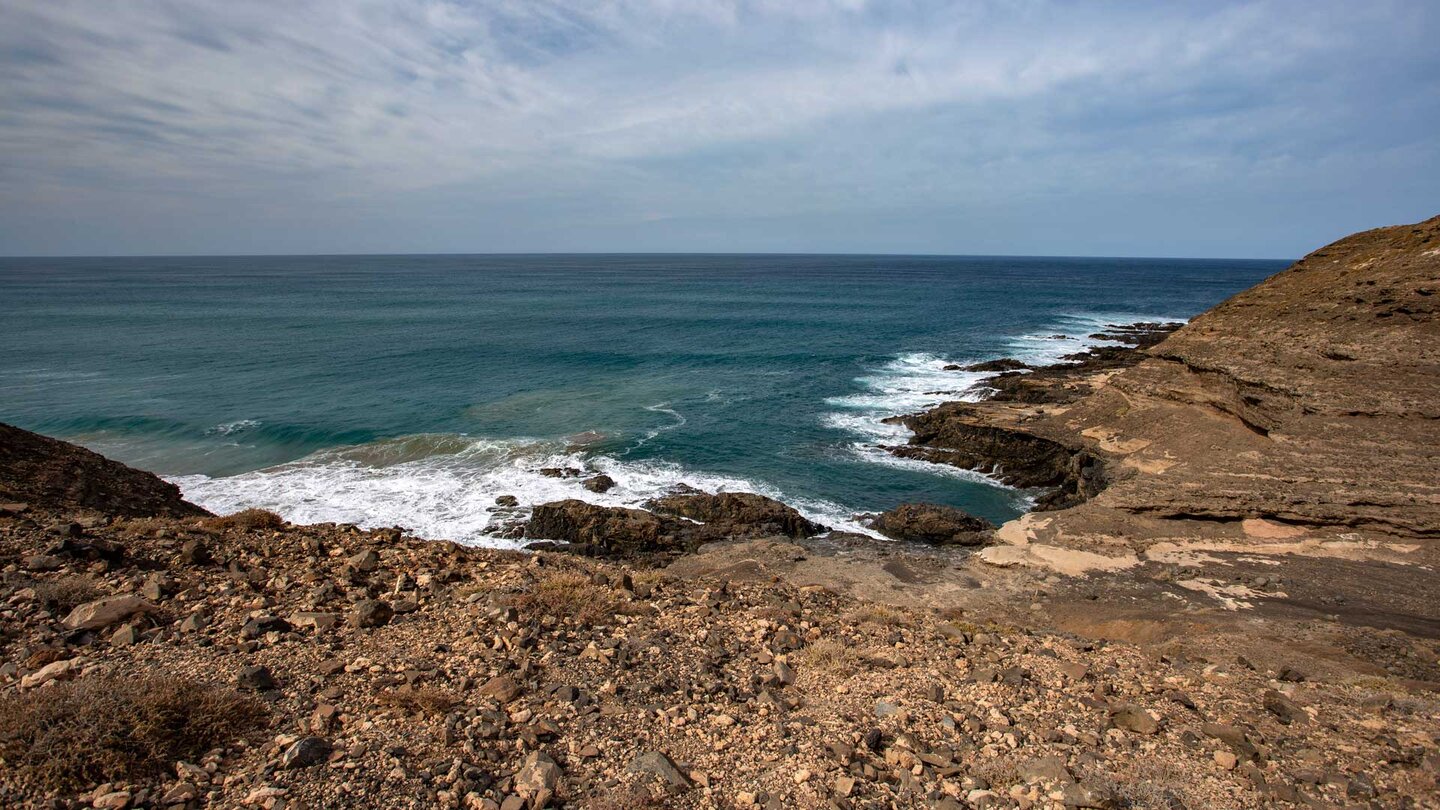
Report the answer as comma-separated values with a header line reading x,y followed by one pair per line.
x,y
413,390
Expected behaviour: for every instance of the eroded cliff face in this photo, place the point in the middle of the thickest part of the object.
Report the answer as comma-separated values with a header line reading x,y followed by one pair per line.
x,y
1311,400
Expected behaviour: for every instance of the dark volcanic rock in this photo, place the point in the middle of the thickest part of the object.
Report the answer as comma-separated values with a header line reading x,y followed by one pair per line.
x,y
605,530
946,435
619,531
735,514
371,613
934,524
600,483
1003,364
48,473
305,752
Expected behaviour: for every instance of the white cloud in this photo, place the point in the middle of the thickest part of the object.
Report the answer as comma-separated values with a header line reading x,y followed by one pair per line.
x,y
777,106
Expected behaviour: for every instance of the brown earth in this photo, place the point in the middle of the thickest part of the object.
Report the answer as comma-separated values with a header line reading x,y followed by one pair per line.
x,y
1311,401
1238,610
38,468
242,661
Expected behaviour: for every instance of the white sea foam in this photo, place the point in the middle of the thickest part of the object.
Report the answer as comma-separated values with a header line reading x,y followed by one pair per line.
x,y
918,381
908,383
443,486
662,407
231,428
1071,333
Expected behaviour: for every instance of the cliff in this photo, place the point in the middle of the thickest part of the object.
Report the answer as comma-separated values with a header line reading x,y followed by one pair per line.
x,y
1308,405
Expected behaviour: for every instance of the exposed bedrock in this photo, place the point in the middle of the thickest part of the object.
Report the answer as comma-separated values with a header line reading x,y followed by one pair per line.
x,y
1312,399
738,513
675,523
605,530
955,434
934,525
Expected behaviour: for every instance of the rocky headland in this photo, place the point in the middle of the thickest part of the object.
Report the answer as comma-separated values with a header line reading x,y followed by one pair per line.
x,y
1226,598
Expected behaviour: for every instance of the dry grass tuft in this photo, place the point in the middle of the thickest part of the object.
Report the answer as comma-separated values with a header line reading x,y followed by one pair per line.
x,y
424,700
74,735
831,655
249,519
569,596
60,596
883,615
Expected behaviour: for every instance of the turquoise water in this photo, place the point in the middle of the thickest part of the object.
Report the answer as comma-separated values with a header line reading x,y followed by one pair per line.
x,y
412,390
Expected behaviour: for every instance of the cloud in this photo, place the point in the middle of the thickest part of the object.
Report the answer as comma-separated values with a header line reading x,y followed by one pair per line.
x,y
389,125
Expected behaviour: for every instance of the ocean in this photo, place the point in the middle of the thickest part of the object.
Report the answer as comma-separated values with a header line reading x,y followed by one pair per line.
x,y
413,390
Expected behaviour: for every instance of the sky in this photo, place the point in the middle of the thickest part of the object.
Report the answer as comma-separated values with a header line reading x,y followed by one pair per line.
x,y
1028,127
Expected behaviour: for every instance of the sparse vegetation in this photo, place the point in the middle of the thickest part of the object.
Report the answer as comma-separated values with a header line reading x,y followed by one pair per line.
x,y
249,519
60,596
423,700
832,656
73,735
882,615
569,596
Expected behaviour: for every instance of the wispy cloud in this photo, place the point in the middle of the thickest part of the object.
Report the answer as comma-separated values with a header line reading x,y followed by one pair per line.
x,y
331,125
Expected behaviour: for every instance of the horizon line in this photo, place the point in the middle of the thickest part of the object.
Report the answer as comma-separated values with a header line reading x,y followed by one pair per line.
x,y
518,253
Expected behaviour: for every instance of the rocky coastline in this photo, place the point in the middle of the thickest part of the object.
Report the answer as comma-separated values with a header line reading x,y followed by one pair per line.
x,y
1227,599
967,435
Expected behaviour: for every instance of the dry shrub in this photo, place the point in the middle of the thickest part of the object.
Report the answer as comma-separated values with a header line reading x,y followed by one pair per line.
x,y
1000,773
1147,782
883,615
69,736
832,656
249,519
424,700
569,596
60,596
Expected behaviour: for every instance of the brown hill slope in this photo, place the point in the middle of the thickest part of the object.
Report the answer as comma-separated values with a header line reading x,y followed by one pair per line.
x,y
44,472
1311,400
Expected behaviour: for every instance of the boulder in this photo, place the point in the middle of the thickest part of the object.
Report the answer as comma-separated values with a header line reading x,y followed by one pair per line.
x,y
371,613
608,530
737,514
1134,719
105,612
56,670
600,483
538,776
657,764
934,524
255,679
260,625
305,752
503,688
1285,709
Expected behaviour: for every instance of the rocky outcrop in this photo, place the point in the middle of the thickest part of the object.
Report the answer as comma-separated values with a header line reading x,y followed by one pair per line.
x,y
51,474
419,672
955,434
605,530
933,524
1311,401
738,514
674,523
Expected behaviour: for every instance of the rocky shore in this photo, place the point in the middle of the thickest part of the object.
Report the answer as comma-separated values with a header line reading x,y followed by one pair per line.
x,y
177,660
1227,599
